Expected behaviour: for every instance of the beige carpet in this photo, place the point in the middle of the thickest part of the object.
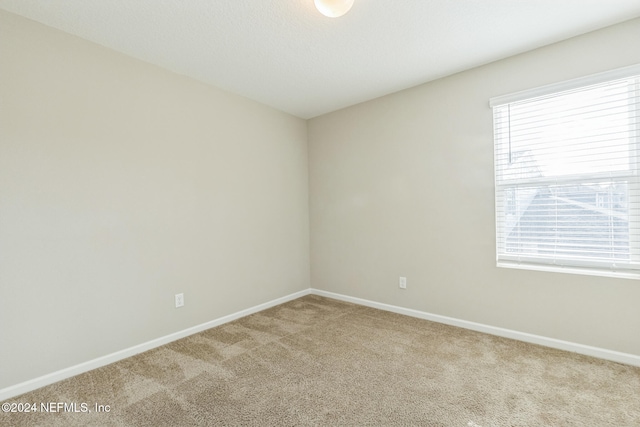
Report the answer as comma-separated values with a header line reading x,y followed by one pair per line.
x,y
317,361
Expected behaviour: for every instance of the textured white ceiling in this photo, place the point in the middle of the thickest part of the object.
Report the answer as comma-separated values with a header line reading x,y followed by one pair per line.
x,y
285,54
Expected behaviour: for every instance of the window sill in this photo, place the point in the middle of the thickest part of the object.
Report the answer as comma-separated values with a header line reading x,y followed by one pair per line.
x,y
570,270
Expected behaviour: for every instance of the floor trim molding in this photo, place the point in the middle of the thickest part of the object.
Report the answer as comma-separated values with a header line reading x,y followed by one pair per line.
x,y
600,353
27,386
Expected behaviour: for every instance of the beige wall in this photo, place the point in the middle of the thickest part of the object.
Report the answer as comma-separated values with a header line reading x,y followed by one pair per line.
x,y
122,184
403,185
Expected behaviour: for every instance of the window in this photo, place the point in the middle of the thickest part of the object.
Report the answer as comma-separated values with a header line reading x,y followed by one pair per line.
x,y
566,173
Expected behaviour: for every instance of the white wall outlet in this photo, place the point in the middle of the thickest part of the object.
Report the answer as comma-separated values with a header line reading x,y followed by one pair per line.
x,y
179,300
403,282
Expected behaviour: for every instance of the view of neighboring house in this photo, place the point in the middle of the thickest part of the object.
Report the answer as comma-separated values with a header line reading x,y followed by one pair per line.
x,y
555,219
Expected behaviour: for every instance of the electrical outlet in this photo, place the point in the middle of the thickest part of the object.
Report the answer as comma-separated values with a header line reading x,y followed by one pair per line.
x,y
179,300
403,282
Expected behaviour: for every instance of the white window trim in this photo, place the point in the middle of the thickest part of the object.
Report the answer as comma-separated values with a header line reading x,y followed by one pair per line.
x,y
569,270
619,73
629,271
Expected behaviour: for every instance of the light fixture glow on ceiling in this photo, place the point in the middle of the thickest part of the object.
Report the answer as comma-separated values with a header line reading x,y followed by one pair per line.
x,y
333,8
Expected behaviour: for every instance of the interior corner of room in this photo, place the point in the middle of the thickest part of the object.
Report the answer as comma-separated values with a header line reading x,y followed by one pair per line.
x,y
123,184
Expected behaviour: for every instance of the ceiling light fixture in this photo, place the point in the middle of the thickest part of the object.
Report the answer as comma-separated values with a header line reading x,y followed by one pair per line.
x,y
333,8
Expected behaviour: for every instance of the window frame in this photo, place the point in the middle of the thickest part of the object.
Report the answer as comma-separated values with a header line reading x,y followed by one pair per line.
x,y
575,265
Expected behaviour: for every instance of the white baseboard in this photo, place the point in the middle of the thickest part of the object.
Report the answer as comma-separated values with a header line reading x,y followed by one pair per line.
x,y
601,353
27,386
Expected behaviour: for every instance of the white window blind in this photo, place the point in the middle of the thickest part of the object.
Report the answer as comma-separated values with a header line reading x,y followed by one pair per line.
x,y
567,188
